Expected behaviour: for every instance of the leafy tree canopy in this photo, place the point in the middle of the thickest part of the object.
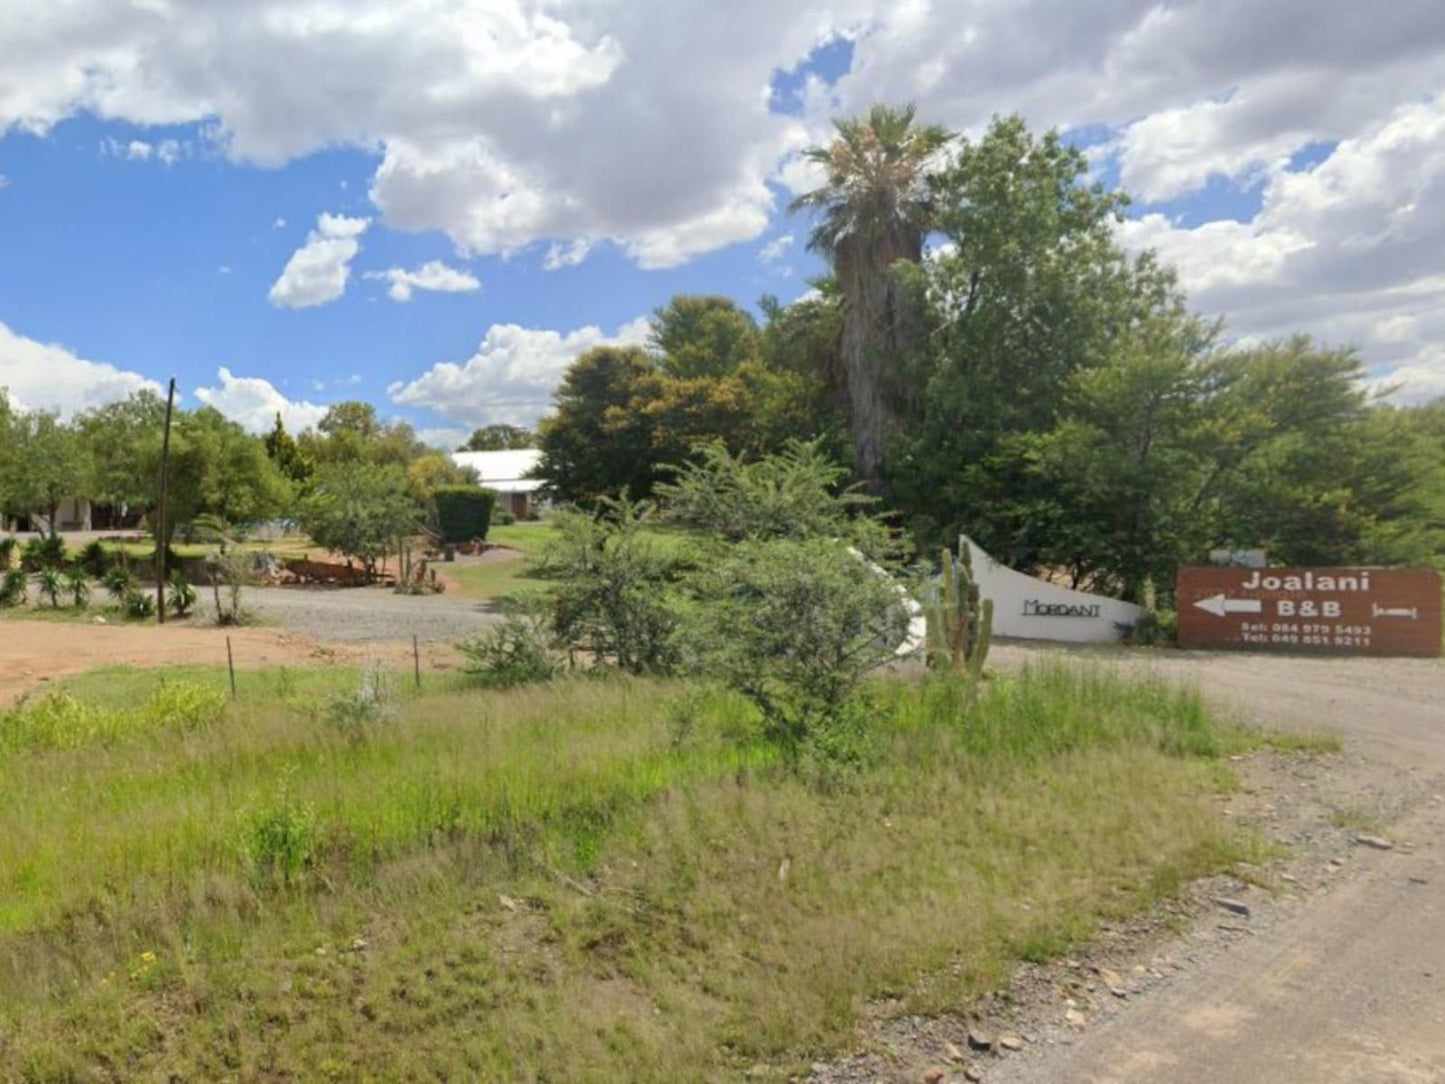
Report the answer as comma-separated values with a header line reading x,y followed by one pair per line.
x,y
498,438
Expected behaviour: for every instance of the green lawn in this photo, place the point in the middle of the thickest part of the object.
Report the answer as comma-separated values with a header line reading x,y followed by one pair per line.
x,y
493,580
595,880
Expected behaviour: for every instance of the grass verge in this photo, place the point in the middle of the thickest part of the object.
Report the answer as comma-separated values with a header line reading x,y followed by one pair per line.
x,y
596,880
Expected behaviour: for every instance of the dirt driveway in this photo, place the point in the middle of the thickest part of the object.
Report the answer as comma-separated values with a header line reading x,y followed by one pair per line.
x,y
1350,984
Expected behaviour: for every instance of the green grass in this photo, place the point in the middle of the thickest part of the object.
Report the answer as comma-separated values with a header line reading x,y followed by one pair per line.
x,y
99,606
1355,820
595,880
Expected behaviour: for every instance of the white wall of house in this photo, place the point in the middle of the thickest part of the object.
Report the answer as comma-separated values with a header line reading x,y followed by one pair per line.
x,y
505,472
73,515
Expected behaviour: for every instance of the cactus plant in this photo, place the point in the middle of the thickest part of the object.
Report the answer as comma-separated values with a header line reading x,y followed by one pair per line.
x,y
960,625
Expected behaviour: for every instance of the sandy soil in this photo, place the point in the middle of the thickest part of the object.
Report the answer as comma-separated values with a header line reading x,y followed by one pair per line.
x,y
35,652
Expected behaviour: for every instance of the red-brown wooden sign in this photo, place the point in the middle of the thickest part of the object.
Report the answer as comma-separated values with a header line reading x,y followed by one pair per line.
x,y
1348,611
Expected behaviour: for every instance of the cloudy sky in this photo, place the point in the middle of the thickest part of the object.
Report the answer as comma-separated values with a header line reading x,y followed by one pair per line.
x,y
436,204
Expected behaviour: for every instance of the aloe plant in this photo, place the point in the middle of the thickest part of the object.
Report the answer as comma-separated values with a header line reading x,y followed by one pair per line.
x,y
180,595
51,585
78,586
120,582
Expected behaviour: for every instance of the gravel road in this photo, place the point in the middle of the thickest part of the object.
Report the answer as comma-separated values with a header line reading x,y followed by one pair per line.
x,y
367,614
1350,984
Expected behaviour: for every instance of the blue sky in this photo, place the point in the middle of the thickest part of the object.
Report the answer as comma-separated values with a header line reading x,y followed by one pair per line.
x,y
164,269
546,174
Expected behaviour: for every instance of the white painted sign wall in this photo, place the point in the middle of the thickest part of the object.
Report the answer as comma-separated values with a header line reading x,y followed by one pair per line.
x,y
1027,608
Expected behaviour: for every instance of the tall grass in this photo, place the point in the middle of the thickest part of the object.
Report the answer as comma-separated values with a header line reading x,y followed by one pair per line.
x,y
595,880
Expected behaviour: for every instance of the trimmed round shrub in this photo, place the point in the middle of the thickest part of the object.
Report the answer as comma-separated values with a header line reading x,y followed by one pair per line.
x,y
464,513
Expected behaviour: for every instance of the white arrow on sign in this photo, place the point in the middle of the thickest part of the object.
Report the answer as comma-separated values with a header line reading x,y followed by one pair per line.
x,y
1218,605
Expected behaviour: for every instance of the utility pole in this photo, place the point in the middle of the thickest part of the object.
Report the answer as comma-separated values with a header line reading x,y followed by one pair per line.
x,y
161,511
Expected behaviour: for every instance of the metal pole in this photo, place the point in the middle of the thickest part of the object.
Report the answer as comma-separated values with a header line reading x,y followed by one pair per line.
x,y
231,665
416,659
161,512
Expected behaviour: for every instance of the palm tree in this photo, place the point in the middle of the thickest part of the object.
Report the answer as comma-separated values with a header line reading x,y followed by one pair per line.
x,y
877,208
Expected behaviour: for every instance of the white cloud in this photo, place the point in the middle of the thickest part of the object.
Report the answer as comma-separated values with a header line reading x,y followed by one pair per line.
x,y
167,151
46,376
502,122
511,376
568,255
569,123
434,276
1348,250
775,249
447,438
279,224
254,403
4,182
318,271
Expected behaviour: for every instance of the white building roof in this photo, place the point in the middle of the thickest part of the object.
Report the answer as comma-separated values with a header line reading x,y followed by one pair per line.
x,y
503,471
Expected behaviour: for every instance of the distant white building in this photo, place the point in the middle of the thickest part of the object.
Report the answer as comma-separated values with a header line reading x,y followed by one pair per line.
x,y
506,472
72,515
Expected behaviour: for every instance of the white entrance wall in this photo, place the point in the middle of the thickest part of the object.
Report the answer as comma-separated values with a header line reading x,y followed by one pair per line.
x,y
1031,609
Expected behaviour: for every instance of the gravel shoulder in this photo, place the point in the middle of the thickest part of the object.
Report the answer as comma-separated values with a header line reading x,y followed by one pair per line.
x,y
366,614
1325,965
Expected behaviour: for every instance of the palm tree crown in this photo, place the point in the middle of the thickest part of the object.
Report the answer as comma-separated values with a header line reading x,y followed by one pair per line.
x,y
876,179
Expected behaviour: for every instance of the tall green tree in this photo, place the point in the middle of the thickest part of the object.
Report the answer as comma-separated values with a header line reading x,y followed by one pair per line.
x,y
597,442
361,510
704,336
216,469
625,415
120,438
499,438
876,206
352,432
1031,289
282,449
47,466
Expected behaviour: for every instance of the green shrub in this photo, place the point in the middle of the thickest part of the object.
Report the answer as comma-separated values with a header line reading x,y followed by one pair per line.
x,y
94,558
59,721
521,649
1155,628
463,513
279,841
355,713
7,552
615,595
42,553
797,493
13,587
501,517
796,627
